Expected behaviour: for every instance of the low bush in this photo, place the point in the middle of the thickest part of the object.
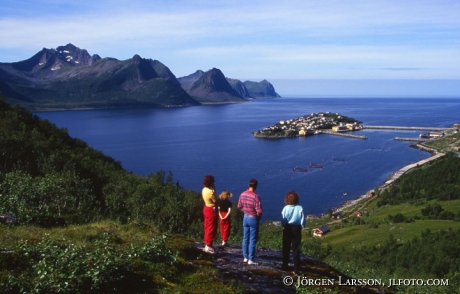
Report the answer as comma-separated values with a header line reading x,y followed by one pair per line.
x,y
106,265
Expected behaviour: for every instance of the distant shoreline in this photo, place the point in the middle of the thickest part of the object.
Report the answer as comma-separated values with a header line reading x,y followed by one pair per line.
x,y
394,176
106,107
50,109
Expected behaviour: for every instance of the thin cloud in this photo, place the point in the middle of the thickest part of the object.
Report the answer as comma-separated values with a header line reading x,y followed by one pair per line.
x,y
246,35
403,68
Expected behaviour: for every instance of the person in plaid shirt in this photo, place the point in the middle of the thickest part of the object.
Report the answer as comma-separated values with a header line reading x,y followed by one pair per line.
x,y
249,203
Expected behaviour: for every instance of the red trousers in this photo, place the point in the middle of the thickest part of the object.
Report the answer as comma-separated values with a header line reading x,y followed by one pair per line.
x,y
225,227
210,224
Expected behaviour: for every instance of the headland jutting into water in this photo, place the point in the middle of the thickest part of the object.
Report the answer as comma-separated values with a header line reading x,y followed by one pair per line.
x,y
315,123
334,124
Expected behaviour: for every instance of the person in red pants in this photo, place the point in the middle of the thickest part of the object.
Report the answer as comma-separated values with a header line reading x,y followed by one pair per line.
x,y
225,207
209,212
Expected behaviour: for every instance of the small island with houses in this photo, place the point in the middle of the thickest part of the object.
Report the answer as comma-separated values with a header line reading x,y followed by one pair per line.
x,y
315,123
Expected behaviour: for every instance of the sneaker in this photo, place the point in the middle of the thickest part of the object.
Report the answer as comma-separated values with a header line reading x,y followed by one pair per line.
x,y
245,260
208,249
252,262
224,243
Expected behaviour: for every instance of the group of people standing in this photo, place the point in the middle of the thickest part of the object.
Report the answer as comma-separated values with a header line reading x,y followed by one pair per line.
x,y
217,210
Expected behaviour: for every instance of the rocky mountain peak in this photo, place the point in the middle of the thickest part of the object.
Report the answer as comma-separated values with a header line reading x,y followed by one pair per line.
x,y
261,89
187,81
136,59
74,55
212,86
214,80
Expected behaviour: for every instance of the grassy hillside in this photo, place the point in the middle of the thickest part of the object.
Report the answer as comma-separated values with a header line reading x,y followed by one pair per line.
x,y
375,227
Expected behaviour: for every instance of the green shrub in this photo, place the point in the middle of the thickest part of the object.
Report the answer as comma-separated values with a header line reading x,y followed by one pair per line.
x,y
59,266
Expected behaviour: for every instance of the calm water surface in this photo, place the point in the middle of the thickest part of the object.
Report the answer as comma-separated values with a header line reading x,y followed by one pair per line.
x,y
195,141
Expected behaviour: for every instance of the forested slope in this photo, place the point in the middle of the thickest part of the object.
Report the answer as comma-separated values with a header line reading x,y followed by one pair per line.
x,y
440,181
44,173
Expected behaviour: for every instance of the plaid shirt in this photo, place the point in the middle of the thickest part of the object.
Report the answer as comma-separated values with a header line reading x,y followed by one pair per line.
x,y
249,202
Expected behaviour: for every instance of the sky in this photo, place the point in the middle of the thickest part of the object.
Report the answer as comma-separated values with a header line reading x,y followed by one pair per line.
x,y
292,44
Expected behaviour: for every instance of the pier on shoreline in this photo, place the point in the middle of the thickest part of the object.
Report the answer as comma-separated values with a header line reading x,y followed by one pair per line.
x,y
411,139
400,128
344,134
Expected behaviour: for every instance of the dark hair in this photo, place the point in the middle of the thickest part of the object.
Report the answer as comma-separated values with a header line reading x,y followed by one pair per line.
x,y
208,181
253,183
291,198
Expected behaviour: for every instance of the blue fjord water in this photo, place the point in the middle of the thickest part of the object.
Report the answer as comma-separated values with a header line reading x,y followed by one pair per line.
x,y
216,139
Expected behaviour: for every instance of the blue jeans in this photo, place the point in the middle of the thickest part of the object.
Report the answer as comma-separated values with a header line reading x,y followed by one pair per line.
x,y
250,236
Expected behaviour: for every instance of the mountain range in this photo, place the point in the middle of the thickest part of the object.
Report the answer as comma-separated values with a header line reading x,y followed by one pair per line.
x,y
69,77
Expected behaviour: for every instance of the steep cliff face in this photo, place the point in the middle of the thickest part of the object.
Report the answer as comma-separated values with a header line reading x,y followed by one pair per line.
x,y
212,86
163,71
261,89
239,87
187,81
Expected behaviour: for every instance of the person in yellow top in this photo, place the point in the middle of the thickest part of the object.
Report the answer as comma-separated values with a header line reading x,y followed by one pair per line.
x,y
209,212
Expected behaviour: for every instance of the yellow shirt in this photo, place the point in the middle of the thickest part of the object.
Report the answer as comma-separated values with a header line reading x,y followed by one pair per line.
x,y
209,197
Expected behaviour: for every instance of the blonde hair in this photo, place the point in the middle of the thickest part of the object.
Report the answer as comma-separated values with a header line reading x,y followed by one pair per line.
x,y
225,195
